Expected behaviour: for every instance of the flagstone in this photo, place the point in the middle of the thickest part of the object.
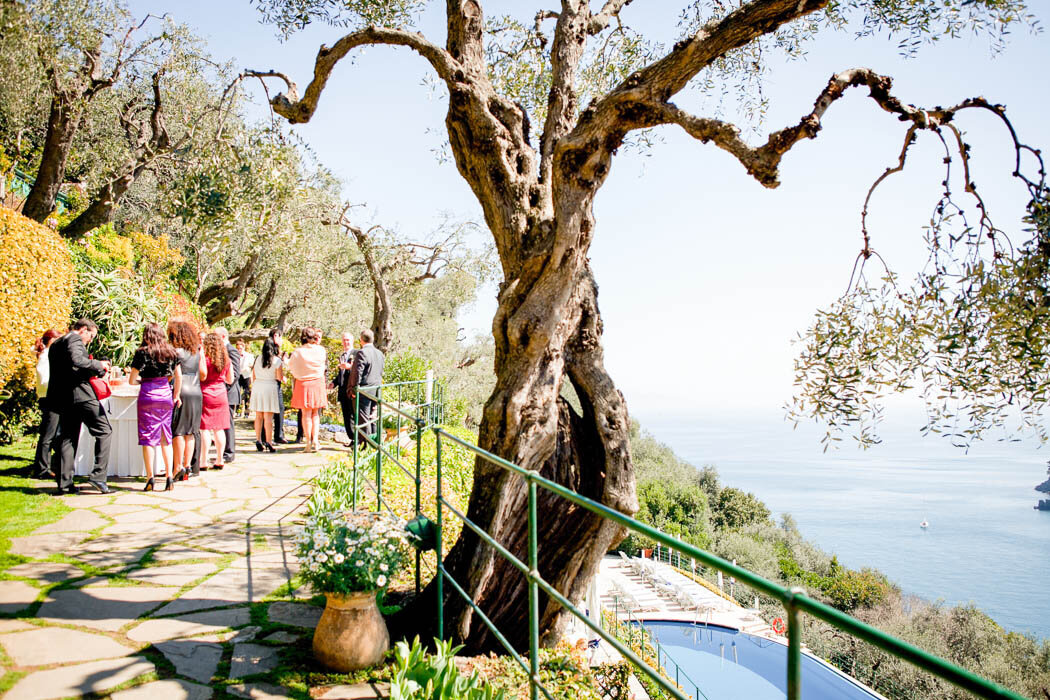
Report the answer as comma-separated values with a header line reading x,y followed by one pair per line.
x,y
228,587
16,595
138,498
46,571
54,645
149,515
106,560
176,552
193,659
282,637
188,519
163,629
181,506
118,509
75,681
41,546
221,507
294,614
146,535
171,689
87,501
8,625
179,575
359,691
103,608
273,558
77,521
250,659
258,691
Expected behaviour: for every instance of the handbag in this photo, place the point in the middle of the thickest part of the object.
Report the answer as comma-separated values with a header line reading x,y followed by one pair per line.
x,y
100,386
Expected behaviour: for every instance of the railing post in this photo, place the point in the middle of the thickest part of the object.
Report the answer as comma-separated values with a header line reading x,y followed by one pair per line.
x,y
353,437
378,437
794,661
419,481
438,574
534,599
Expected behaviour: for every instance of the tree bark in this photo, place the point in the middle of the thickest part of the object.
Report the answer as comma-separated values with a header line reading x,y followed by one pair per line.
x,y
103,206
62,123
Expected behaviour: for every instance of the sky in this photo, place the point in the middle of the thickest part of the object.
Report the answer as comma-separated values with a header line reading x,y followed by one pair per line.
x,y
700,268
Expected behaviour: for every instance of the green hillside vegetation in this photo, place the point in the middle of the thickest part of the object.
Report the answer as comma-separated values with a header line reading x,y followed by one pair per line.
x,y
690,503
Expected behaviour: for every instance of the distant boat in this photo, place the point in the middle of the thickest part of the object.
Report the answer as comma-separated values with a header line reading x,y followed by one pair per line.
x,y
924,524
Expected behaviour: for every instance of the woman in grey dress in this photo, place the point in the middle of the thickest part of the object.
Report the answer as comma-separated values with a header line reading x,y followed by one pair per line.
x,y
186,420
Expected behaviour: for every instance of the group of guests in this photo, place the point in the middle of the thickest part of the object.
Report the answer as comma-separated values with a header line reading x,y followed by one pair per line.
x,y
189,389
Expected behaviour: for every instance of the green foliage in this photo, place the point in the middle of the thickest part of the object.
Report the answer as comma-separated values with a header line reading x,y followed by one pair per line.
x,y
735,509
121,305
844,588
291,17
333,489
405,366
24,505
564,672
18,412
422,676
676,509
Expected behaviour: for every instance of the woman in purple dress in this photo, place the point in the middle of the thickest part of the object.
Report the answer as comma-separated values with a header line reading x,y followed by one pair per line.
x,y
153,367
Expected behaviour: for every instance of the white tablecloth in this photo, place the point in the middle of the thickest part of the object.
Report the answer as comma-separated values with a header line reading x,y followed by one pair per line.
x,y
125,454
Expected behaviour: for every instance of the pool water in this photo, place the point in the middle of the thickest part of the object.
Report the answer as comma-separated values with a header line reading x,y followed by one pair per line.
x,y
726,664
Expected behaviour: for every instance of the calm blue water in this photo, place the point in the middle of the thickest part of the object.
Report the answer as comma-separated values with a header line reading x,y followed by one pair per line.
x,y
985,542
725,664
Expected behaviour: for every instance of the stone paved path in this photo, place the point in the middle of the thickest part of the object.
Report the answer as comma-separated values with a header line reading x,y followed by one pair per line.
x,y
161,595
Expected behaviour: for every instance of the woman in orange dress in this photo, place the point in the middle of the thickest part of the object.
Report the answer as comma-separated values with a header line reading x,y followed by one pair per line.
x,y
310,395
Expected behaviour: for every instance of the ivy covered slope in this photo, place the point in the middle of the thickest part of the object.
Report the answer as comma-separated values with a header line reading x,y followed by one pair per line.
x,y
690,503
36,286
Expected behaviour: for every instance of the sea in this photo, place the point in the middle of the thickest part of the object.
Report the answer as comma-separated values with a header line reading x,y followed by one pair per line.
x,y
985,542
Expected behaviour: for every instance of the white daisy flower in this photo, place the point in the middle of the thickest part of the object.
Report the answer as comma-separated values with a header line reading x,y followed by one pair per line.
x,y
381,581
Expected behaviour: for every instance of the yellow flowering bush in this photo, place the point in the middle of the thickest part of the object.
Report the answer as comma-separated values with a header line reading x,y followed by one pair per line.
x,y
36,286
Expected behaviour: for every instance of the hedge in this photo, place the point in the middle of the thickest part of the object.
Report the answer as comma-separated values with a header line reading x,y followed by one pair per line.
x,y
36,286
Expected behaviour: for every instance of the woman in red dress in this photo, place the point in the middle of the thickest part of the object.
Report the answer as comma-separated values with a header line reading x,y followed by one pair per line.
x,y
216,372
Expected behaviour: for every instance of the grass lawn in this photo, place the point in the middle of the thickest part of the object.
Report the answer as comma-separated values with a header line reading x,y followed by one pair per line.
x,y
23,505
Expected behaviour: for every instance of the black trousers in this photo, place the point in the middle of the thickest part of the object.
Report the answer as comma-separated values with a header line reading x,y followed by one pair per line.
x,y
91,415
366,416
195,460
278,418
46,442
230,451
347,405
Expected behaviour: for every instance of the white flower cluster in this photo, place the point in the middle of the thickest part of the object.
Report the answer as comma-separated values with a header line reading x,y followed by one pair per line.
x,y
344,551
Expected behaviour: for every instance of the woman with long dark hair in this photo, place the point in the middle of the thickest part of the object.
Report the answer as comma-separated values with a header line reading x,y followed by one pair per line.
x,y
153,367
186,419
216,373
267,373
48,417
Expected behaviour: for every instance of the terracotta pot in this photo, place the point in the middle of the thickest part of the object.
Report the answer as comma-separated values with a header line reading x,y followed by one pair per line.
x,y
647,553
351,633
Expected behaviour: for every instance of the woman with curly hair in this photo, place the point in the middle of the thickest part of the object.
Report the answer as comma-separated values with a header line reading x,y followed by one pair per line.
x,y
307,365
153,367
215,373
186,419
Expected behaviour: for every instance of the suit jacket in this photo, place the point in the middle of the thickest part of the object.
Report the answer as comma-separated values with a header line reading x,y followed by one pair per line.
x,y
367,369
71,368
233,391
342,377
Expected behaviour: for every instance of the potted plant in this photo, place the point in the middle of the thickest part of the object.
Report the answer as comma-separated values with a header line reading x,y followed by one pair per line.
x,y
350,557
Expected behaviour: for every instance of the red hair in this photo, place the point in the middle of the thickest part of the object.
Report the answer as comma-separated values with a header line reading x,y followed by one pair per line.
x,y
41,344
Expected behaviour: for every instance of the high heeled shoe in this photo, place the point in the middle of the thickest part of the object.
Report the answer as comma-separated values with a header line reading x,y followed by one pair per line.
x,y
258,446
270,447
181,475
149,485
168,484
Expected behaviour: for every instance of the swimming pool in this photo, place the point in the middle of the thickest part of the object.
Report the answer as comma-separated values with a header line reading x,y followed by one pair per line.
x,y
727,664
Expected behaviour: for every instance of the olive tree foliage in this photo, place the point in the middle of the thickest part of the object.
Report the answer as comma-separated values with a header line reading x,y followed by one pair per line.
x,y
539,103
98,98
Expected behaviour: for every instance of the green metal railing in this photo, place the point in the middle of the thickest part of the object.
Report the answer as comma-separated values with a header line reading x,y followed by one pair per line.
x,y
427,412
21,184
794,600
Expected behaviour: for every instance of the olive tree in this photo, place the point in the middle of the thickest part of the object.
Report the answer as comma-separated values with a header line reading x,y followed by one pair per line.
x,y
538,106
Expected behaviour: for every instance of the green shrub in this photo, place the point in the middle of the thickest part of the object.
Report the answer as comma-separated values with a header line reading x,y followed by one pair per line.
x,y
422,676
121,305
405,367
18,411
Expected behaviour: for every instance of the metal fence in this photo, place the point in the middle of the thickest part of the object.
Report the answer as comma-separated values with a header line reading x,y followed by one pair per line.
x,y
426,412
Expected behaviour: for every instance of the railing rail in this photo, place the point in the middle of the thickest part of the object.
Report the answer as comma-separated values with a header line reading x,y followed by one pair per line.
x,y
794,600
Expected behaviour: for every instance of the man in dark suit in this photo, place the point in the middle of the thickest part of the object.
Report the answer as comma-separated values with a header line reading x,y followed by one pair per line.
x,y
233,396
366,371
342,381
70,394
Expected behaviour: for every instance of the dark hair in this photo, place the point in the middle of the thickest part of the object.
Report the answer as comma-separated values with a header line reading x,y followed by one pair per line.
x,y
84,323
215,350
310,335
269,351
274,332
183,335
41,344
368,336
155,345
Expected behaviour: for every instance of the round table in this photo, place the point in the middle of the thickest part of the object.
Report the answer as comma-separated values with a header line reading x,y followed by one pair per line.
x,y
125,454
